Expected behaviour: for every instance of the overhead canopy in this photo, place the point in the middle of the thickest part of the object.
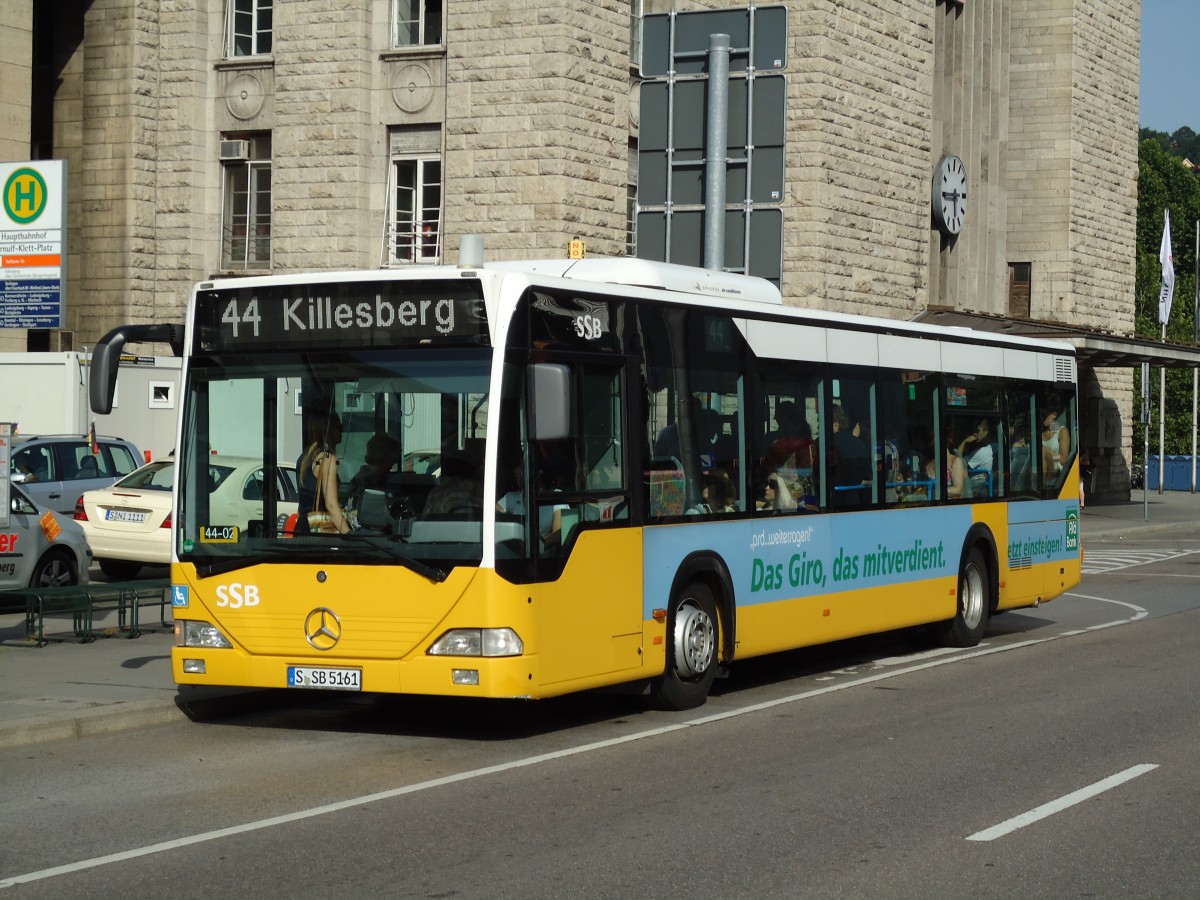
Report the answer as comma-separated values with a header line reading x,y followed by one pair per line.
x,y
1096,349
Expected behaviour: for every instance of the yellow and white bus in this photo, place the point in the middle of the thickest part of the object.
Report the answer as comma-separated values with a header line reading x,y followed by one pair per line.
x,y
606,472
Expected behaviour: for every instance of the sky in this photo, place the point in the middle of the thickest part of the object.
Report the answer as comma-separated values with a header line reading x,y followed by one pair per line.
x,y
1170,33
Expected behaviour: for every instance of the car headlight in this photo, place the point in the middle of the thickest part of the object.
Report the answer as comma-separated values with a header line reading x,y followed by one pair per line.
x,y
478,642
196,633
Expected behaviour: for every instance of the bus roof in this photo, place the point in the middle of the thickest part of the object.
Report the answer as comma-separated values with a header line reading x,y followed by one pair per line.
x,y
646,273
745,294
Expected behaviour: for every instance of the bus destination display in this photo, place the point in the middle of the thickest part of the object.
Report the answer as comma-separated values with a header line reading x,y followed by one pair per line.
x,y
355,314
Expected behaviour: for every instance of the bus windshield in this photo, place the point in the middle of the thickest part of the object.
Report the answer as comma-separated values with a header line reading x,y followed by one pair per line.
x,y
405,427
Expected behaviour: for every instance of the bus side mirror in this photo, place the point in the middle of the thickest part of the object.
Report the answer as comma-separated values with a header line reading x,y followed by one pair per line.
x,y
550,401
106,358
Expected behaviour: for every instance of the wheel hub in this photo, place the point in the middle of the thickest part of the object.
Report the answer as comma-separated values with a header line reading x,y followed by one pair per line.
x,y
695,640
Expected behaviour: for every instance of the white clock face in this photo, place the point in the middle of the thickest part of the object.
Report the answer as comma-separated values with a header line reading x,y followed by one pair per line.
x,y
950,195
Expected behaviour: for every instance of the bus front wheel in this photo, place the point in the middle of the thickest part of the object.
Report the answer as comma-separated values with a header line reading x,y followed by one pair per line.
x,y
693,633
971,618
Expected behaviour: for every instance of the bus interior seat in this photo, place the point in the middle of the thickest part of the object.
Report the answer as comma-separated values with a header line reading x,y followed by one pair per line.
x,y
1021,469
374,513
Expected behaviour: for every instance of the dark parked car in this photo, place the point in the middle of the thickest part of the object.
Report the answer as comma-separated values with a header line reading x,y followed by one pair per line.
x,y
53,470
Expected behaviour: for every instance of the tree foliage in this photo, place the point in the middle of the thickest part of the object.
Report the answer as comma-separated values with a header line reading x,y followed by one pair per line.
x,y
1182,143
1165,182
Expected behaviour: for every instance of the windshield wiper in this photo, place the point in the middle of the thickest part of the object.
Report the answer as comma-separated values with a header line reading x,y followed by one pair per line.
x,y
316,553
387,546
222,565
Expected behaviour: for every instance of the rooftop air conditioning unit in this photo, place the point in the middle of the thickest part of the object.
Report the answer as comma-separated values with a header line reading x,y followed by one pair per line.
x,y
235,151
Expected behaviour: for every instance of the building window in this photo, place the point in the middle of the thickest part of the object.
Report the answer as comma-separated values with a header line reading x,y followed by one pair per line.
x,y
635,33
414,223
248,27
416,22
246,219
631,200
1020,284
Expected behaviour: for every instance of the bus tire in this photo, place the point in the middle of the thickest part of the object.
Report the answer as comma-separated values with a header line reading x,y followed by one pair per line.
x,y
971,619
693,639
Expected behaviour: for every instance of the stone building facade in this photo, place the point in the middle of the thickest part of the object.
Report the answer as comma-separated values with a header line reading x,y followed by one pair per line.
x,y
519,119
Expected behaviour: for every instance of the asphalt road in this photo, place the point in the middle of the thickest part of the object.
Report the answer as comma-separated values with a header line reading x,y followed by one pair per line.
x,y
1058,759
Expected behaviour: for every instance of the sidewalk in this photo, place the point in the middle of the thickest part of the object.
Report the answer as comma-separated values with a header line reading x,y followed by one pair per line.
x,y
1140,518
71,690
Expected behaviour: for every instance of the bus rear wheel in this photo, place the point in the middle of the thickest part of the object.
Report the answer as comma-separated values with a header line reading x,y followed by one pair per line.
x,y
971,619
693,633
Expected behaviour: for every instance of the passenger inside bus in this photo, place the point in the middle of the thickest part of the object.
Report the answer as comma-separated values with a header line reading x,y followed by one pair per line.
x,y
317,474
1019,461
851,462
716,495
791,444
776,496
706,427
459,490
1056,445
957,484
979,455
382,454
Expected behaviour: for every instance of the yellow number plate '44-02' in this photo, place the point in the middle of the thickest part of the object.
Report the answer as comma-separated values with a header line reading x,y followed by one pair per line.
x,y
325,678
219,534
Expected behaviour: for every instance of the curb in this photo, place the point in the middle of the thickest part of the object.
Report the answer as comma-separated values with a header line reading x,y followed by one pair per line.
x,y
196,705
120,716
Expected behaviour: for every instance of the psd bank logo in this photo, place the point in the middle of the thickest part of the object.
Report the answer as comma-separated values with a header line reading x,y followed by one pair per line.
x,y
25,196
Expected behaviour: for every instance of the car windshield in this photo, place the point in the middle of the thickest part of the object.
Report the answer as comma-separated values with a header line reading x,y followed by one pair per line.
x,y
406,429
155,476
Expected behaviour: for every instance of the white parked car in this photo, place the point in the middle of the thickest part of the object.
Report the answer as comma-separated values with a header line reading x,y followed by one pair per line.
x,y
129,524
40,548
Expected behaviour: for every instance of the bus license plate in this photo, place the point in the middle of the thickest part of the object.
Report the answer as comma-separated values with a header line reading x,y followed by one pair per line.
x,y
324,678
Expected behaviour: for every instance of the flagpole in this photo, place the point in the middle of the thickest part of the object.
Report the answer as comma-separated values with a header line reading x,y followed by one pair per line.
x,y
1162,414
1165,295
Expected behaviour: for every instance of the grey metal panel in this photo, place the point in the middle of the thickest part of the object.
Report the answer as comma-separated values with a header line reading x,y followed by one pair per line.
x,y
690,114
656,46
768,175
652,177
770,37
652,235
687,238
652,116
691,39
766,244
691,36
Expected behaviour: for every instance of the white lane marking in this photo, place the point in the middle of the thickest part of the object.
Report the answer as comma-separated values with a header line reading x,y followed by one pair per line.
x,y
301,815
1057,806
1098,562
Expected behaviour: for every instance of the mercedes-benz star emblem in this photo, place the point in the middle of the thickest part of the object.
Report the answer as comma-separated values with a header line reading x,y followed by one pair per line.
x,y
323,628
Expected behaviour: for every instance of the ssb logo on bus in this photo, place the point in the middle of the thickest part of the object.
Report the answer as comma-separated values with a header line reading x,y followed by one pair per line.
x,y
1073,529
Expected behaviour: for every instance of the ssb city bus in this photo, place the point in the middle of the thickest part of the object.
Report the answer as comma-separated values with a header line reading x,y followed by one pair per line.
x,y
656,471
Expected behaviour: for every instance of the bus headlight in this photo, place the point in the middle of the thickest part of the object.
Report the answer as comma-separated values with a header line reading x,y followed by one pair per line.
x,y
478,642
194,633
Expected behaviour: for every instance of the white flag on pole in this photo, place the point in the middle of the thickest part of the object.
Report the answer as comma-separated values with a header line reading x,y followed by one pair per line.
x,y
1167,293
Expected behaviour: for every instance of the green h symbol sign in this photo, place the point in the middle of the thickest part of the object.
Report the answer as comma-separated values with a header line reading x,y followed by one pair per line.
x,y
24,195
